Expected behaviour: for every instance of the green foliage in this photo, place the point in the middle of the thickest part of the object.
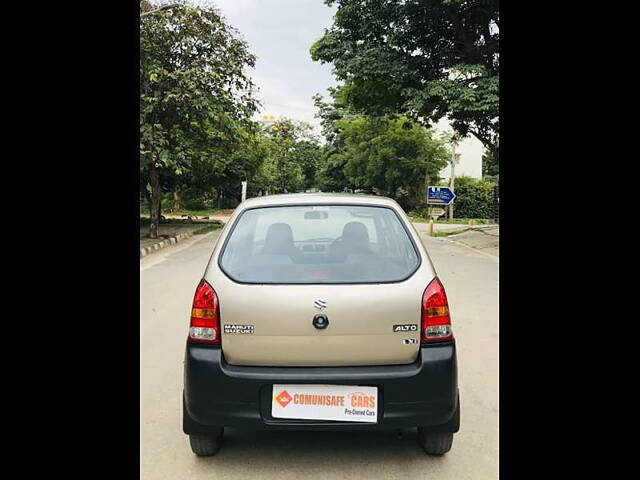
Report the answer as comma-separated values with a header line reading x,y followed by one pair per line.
x,y
222,175
291,155
490,164
307,154
474,198
390,156
330,176
426,59
282,138
196,213
195,98
207,229
195,203
329,114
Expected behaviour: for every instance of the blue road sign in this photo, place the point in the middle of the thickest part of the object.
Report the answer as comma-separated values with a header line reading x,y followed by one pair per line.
x,y
440,195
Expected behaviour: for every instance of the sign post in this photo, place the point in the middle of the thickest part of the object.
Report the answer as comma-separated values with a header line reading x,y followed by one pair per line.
x,y
440,196
435,212
244,190
496,204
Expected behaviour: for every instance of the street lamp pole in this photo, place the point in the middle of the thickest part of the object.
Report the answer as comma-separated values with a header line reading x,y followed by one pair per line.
x,y
453,175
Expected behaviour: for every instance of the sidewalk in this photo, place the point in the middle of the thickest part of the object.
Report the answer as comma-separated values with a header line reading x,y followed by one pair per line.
x,y
423,227
484,238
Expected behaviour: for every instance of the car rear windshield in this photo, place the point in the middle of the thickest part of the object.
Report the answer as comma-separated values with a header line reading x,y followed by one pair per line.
x,y
319,244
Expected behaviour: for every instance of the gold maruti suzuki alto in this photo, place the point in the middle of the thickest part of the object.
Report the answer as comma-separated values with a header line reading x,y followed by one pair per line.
x,y
320,311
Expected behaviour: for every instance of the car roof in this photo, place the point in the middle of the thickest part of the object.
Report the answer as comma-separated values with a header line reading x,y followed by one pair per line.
x,y
317,198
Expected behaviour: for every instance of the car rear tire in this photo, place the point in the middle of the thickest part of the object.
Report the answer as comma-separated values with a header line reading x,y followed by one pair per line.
x,y
206,445
435,443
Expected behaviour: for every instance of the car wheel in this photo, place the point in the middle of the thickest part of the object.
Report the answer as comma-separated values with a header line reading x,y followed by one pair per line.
x,y
205,445
435,443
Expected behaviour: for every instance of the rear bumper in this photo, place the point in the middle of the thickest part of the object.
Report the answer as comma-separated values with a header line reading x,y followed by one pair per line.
x,y
424,393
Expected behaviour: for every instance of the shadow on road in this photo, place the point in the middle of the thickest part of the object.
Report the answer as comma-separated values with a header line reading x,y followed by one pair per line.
x,y
318,453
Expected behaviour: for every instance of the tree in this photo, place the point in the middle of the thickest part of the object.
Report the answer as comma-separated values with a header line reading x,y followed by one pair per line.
x,y
490,166
330,176
292,156
288,173
195,97
426,59
391,156
329,113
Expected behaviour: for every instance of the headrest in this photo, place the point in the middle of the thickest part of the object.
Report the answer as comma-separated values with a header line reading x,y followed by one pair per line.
x,y
355,232
279,238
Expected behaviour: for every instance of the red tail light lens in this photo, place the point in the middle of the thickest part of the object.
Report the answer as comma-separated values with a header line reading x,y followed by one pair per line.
x,y
436,322
205,316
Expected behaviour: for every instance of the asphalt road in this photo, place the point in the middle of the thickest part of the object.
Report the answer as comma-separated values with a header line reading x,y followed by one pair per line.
x,y
167,281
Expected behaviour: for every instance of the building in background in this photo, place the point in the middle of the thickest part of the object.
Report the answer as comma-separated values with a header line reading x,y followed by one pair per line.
x,y
470,151
266,120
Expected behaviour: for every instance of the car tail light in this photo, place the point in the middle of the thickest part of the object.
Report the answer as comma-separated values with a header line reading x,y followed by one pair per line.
x,y
436,322
205,316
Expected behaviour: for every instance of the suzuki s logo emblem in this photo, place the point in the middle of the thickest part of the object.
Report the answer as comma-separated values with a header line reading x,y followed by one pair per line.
x,y
320,304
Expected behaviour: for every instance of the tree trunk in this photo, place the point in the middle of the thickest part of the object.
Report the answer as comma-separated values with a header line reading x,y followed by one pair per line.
x,y
147,196
426,183
154,207
176,200
425,193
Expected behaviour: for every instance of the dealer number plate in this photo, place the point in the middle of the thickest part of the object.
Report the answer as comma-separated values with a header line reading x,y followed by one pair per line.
x,y
344,403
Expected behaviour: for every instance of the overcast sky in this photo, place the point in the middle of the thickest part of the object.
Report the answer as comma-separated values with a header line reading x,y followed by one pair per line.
x,y
279,33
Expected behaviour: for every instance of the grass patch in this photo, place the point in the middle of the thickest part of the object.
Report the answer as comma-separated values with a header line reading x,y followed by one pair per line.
x,y
192,213
196,213
207,229
465,221
455,221
454,232
462,230
144,221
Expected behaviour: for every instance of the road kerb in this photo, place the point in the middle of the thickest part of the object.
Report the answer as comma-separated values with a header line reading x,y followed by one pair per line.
x,y
164,243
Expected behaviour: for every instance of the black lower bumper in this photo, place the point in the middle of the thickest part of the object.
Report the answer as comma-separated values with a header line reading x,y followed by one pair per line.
x,y
424,393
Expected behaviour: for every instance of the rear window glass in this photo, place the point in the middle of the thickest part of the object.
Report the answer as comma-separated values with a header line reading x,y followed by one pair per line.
x,y
319,244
